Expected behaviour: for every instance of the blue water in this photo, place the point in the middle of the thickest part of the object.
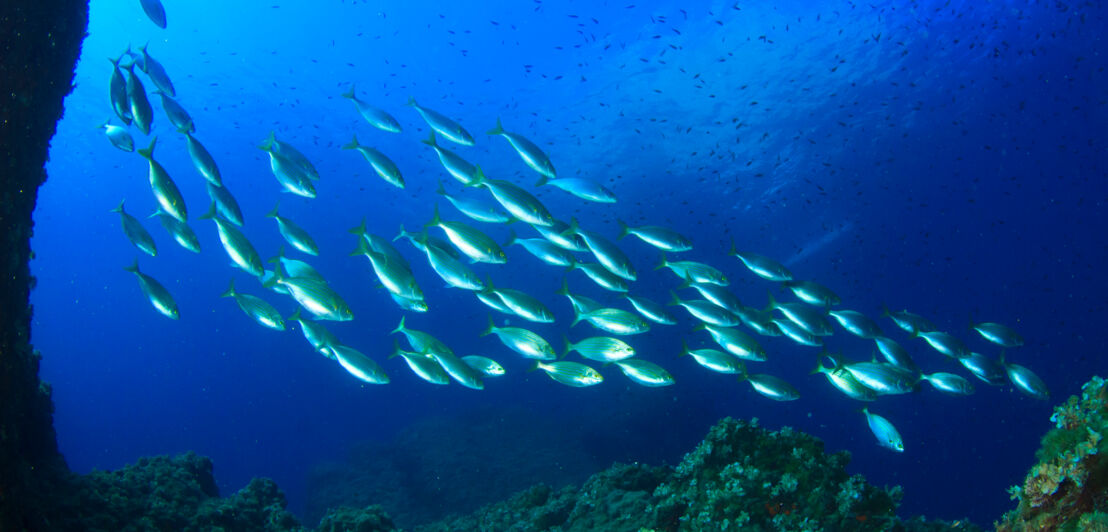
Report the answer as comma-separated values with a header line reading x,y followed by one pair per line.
x,y
947,158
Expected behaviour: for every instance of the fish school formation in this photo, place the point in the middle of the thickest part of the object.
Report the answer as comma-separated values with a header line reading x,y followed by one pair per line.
x,y
563,245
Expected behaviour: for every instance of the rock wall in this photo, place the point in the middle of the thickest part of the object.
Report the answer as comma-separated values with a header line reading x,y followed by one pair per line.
x,y
40,41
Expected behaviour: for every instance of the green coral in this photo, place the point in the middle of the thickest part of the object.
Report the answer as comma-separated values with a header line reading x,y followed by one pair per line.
x,y
1065,490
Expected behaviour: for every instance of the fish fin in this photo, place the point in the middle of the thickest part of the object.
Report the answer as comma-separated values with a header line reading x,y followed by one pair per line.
x,y
684,348
104,124
662,263
273,213
133,268
295,315
399,328
358,230
498,130
353,144
687,283
542,181
577,317
267,144
210,215
573,228
412,102
187,128
732,252
512,239
435,219
564,290
701,327
489,329
885,311
119,208
350,93
430,140
441,190
148,152
280,255
772,304
401,234
157,211
360,249
534,366
673,299
623,229
230,291
478,177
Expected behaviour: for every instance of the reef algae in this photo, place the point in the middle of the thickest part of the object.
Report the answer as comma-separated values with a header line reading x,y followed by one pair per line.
x,y
1068,488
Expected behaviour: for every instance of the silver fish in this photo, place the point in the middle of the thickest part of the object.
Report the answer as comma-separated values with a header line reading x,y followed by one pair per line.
x,y
359,365
884,431
527,150
158,296
376,117
119,137
442,125
165,190
659,237
256,308
136,233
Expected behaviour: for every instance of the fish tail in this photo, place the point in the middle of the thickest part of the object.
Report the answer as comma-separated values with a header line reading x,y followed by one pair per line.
x,y
662,263
534,366
732,252
623,229
772,302
401,234
210,214
435,219
577,317
295,315
573,228
395,350
148,152
490,328
120,207
230,291
498,130
350,93
353,144
267,144
399,328
412,102
358,230
542,181
280,255
430,140
564,290
273,213
104,123
478,177
568,348
133,268
512,238
360,249
701,327
684,348
187,128
673,299
688,282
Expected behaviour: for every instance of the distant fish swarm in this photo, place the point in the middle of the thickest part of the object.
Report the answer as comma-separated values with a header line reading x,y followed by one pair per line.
x,y
720,313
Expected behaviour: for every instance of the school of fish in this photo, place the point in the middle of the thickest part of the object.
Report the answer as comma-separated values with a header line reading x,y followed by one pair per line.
x,y
562,244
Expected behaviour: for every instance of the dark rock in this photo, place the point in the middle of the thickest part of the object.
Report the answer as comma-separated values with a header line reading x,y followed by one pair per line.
x,y
369,519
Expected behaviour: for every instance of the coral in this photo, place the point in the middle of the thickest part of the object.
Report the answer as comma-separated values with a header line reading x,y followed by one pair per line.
x,y
1066,489
369,519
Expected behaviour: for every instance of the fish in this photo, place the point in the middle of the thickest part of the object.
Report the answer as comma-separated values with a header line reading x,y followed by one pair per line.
x,y
844,381
555,234
493,301
471,242
296,236
883,378
180,231
459,370
376,117
998,334
645,373
380,162
256,308
201,159
527,150
136,233
984,368
907,321
770,386
884,431
225,203
581,304
117,91
944,343
895,354
176,114
714,360
949,383
450,269
758,320
382,245
118,136
522,304
1025,380
442,125
316,297
421,341
585,189
607,253
155,12
522,341
698,272
856,323
295,268
601,276
812,320
142,115
542,249
292,177
455,165
659,237
601,348
651,310
321,339
718,295
423,365
396,277
613,320
290,153
813,293
359,365
475,209
735,342
797,333
570,373
156,71
423,239
158,296
414,305
706,311
486,366
165,190
515,200
762,266
237,246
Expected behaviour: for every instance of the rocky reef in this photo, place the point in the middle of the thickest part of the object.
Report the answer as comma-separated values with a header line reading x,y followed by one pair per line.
x,y
1067,490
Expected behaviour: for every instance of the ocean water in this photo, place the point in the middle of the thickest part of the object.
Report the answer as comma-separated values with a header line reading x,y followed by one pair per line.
x,y
942,157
